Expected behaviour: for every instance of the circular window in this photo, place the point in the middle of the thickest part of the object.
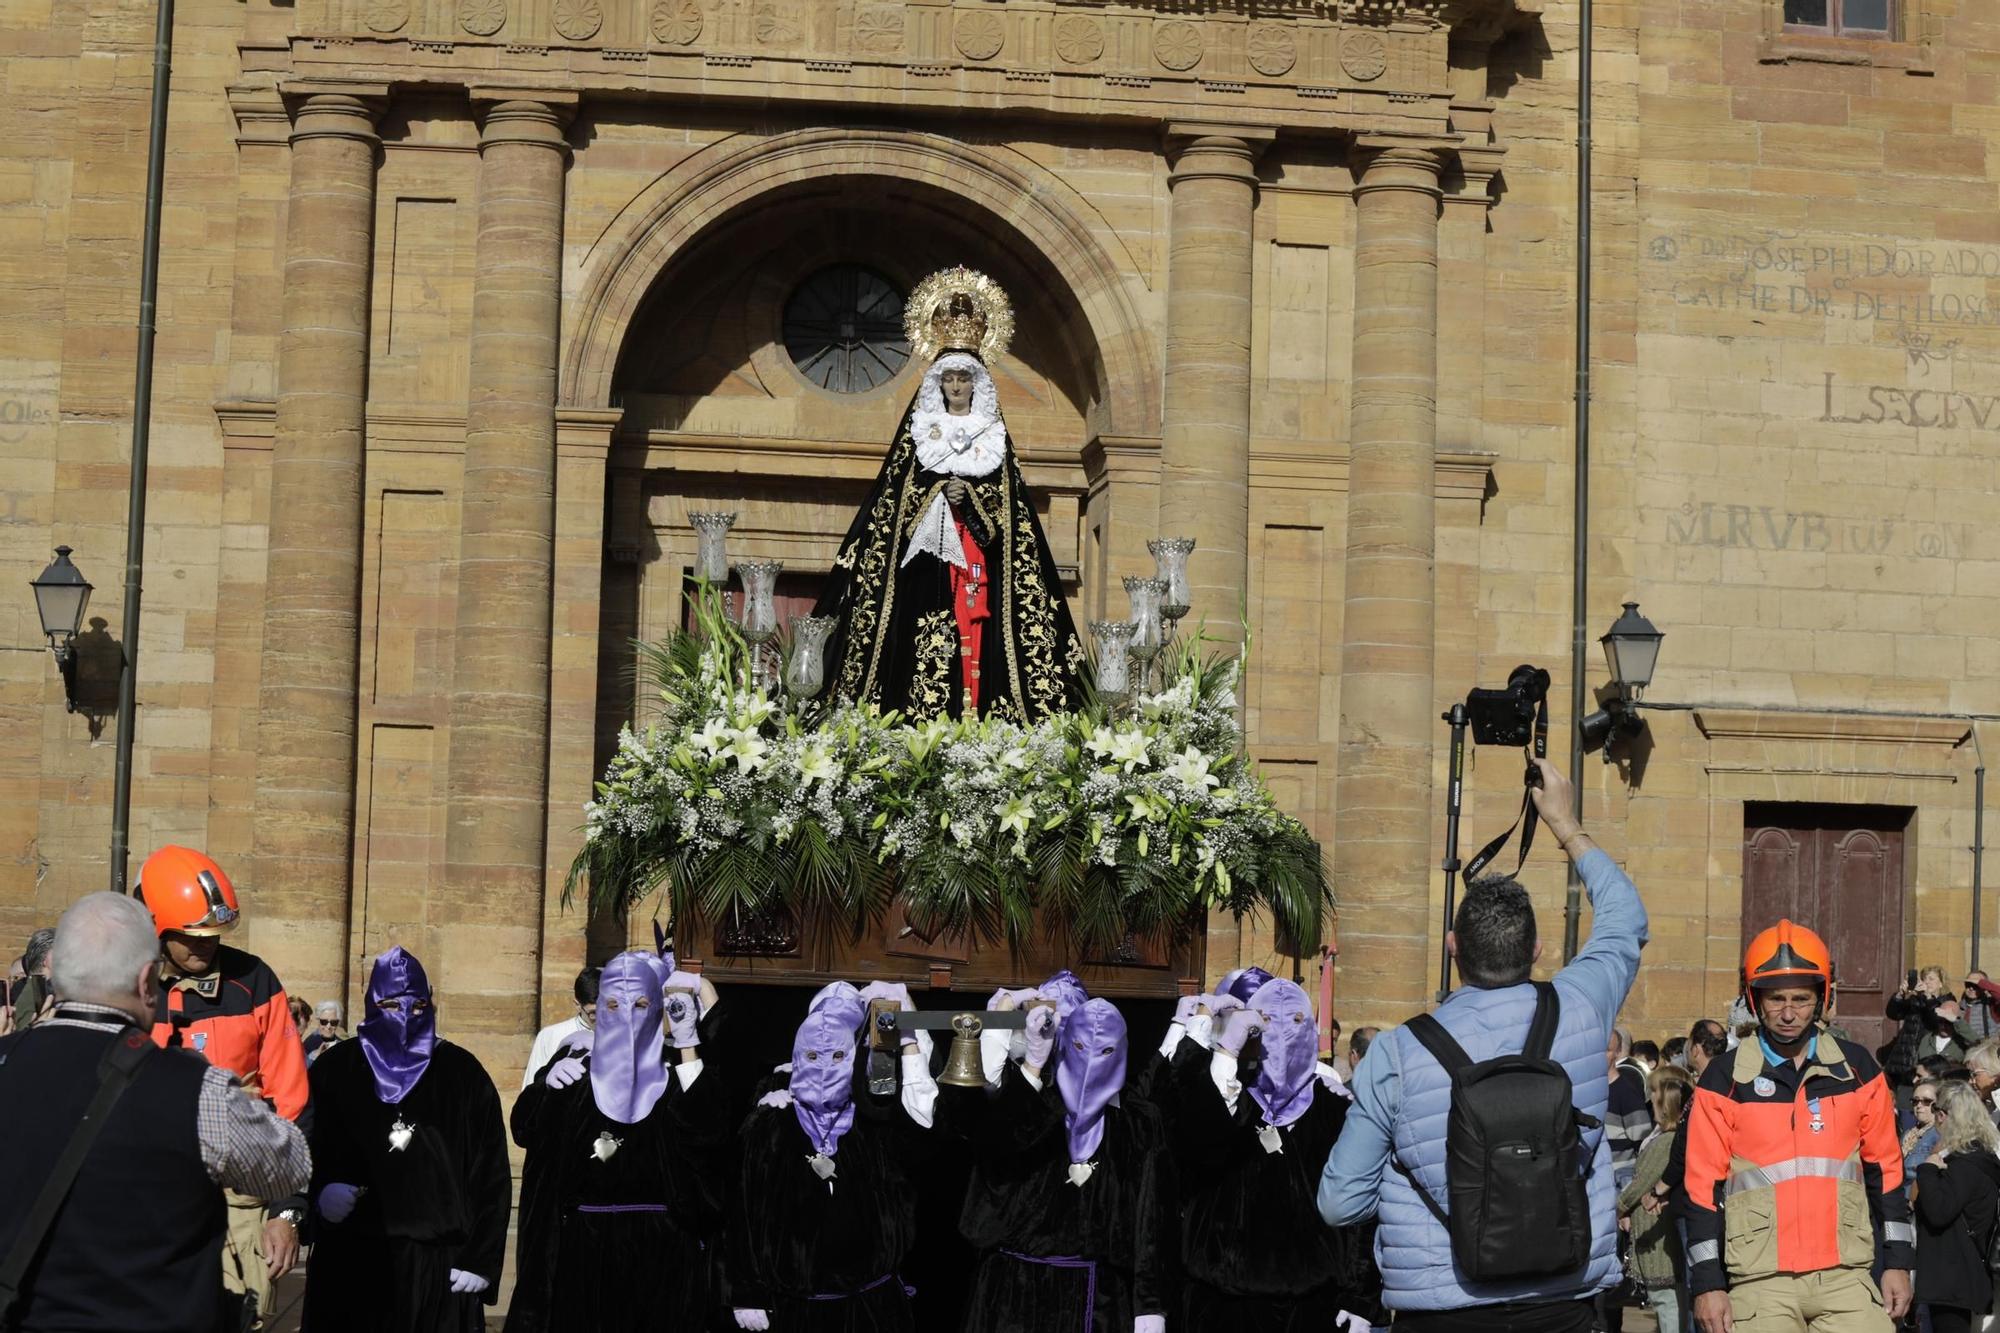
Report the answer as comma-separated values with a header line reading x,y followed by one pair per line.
x,y
844,329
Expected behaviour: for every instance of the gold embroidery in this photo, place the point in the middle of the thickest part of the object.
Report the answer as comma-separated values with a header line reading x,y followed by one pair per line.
x,y
930,679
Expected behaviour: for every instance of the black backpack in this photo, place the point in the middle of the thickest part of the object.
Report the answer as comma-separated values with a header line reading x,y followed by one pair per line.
x,y
1514,1159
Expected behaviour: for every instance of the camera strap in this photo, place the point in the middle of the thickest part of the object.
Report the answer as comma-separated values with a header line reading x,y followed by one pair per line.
x,y
1525,821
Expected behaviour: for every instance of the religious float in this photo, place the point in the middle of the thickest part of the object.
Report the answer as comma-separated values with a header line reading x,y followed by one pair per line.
x,y
933,747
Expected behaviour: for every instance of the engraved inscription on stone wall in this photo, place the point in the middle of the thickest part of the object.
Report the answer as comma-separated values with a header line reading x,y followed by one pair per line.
x,y
1784,273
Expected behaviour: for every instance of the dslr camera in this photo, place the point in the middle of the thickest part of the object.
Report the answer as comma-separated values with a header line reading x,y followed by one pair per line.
x,y
1508,716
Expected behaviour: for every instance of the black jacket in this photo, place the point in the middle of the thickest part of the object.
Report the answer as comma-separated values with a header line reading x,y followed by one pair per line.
x,y
1955,1208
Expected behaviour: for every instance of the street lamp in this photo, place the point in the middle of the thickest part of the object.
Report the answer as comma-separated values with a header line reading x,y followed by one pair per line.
x,y
1631,651
61,594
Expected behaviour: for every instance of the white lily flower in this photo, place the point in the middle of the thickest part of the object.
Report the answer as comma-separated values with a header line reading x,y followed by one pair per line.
x,y
713,737
1015,812
1190,766
816,765
747,750
1129,749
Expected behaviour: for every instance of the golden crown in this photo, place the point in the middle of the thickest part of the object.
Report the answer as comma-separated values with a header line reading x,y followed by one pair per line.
x,y
958,310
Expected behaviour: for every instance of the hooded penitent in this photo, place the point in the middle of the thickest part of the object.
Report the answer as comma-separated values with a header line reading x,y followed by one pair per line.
x,y
1243,984
1283,1087
628,1072
1090,1072
398,1030
842,1001
823,1078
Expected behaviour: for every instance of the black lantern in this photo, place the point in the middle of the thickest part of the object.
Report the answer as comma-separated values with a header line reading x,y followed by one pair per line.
x,y
61,595
1631,651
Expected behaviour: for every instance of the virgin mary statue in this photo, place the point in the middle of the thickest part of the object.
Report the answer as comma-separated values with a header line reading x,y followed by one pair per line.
x,y
946,592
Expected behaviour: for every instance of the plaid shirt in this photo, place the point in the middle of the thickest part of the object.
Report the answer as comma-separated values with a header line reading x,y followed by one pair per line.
x,y
244,1145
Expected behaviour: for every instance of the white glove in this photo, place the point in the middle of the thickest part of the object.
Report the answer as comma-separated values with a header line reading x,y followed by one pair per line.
x,y
1236,1030
683,1014
564,1072
337,1201
1150,1323
888,990
1185,1006
1219,1005
467,1284
778,1099
1041,1035
579,1040
755,1321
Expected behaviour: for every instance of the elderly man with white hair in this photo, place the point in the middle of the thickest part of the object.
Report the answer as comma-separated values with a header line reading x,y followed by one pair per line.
x,y
133,1237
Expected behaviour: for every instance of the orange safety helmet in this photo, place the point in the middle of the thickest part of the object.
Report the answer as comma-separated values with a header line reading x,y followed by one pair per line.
x,y
1787,954
187,891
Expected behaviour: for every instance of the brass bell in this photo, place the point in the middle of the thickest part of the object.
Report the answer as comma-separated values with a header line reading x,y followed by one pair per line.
x,y
963,1069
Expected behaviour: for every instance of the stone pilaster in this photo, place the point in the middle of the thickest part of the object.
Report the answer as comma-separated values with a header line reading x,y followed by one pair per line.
x,y
496,820
297,901
1205,437
1388,716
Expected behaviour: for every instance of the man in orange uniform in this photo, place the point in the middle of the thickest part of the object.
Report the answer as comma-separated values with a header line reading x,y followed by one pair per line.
x,y
1792,1161
228,1007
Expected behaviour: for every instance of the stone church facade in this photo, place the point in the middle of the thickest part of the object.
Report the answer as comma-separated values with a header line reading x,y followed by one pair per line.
x,y
466,304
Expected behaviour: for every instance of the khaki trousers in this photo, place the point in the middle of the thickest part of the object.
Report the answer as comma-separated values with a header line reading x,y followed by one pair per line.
x,y
243,1271
1833,1300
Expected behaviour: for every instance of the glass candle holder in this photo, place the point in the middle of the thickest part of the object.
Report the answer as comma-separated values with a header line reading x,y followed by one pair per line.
x,y
806,672
711,557
759,621
1148,634
1114,650
1170,558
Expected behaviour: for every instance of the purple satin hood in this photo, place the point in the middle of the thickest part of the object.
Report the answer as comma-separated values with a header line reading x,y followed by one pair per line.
x,y
1290,1044
628,1071
841,1000
398,1042
1243,984
1090,1072
823,1077
1066,990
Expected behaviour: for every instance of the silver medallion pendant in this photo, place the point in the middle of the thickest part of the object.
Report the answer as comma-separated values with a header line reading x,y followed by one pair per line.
x,y
605,1145
400,1135
1081,1172
1269,1137
937,433
822,1165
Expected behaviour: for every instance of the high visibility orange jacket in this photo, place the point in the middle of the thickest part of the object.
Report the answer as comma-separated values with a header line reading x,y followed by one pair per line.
x,y
1790,1169
237,1017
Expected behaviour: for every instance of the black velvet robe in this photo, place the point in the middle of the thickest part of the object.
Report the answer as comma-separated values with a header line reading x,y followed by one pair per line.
x,y
440,1203
626,1271
1121,1222
792,1239
897,642
1253,1248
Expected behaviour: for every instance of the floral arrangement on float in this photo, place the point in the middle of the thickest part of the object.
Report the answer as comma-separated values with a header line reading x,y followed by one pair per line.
x,y
1129,816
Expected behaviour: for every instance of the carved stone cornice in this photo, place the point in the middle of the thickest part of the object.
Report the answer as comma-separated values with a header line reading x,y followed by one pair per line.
x,y
1316,66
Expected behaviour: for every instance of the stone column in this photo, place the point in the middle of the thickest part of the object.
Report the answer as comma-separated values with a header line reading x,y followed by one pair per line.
x,y
490,907
1205,436
297,901
1382,848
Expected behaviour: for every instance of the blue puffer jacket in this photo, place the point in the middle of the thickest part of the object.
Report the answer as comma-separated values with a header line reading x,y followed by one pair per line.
x,y
1405,1097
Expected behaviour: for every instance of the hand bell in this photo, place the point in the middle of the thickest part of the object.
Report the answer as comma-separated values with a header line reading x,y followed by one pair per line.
x,y
963,1069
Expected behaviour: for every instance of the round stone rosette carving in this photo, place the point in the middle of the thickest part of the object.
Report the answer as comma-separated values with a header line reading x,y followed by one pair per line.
x,y
879,29
776,26
1363,56
1079,40
387,15
677,22
979,36
1177,44
1272,50
482,18
578,20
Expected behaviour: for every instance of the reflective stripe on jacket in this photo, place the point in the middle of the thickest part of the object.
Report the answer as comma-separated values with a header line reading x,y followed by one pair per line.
x,y
1790,1169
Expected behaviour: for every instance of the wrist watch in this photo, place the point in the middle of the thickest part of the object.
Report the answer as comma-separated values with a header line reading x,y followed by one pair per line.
x,y
292,1215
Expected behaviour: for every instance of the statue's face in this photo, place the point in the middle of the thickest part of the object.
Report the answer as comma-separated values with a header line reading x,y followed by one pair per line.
x,y
957,388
